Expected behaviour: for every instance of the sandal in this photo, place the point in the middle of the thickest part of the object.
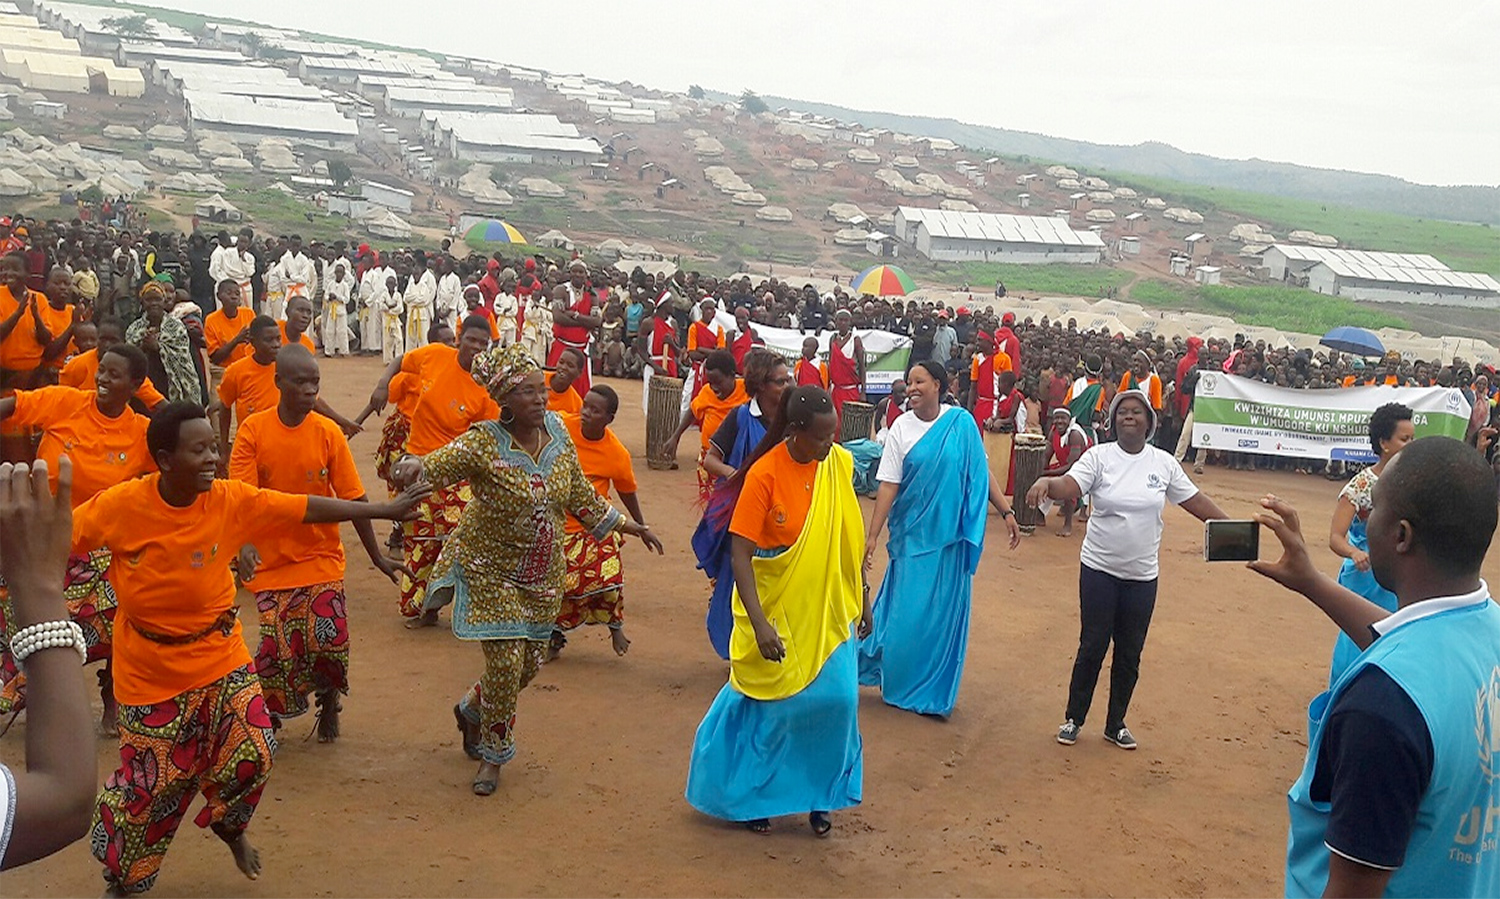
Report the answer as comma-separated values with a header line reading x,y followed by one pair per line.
x,y
327,731
819,823
485,787
761,826
470,735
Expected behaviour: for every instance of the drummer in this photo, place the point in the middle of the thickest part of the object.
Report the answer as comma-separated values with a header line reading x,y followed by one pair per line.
x,y
1066,441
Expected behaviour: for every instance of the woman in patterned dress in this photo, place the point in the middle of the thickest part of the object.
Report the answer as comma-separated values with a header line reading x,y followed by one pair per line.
x,y
503,568
1390,430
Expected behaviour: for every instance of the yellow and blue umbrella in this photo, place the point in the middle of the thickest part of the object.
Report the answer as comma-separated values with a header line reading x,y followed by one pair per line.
x,y
493,231
882,281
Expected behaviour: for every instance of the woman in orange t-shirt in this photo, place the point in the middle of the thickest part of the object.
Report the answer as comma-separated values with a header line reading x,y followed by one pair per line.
x,y
782,737
106,441
708,410
448,402
562,393
192,715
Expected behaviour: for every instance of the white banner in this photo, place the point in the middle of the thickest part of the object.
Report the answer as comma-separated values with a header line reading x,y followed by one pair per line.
x,y
886,354
1241,415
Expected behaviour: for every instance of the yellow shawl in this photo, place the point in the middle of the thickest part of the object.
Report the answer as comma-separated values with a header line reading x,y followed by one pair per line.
x,y
810,593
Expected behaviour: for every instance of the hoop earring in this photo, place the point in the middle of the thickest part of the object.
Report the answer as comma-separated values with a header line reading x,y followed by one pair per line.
x,y
507,415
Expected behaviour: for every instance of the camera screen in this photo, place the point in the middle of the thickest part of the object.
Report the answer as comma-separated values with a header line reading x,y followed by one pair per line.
x,y
1232,541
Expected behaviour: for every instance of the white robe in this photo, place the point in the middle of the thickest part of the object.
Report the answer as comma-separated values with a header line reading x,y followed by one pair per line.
x,y
336,312
421,293
450,299
230,264
390,304
370,326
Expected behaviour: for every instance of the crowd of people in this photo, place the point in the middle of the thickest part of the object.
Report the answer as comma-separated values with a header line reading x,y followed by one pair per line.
x,y
174,421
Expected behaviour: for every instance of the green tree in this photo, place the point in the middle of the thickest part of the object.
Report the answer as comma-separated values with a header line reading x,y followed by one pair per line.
x,y
750,102
254,44
498,174
131,26
339,172
695,92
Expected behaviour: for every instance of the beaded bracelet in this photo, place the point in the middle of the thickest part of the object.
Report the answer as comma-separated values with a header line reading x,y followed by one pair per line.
x,y
48,635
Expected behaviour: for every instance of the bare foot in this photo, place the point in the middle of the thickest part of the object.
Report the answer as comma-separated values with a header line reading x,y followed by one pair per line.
x,y
246,857
428,618
109,722
1067,531
620,642
328,717
115,892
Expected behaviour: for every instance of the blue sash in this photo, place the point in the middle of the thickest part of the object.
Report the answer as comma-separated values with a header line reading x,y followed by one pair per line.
x,y
711,538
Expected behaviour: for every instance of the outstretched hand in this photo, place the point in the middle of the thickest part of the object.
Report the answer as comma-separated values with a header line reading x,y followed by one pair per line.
x,y
1037,494
403,507
393,570
651,540
1294,570
36,533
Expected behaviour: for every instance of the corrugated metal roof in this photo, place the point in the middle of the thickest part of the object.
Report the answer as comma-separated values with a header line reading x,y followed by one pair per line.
x,y
1359,257
91,19
999,227
1426,277
311,116
434,95
362,65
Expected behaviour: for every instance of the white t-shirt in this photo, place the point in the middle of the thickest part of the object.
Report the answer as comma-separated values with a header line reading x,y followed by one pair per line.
x,y
902,435
1127,493
7,809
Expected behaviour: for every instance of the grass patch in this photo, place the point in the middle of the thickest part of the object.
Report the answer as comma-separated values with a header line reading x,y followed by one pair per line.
x,y
1283,308
1466,247
1060,279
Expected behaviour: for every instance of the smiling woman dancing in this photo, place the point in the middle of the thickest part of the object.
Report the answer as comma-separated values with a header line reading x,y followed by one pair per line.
x,y
503,568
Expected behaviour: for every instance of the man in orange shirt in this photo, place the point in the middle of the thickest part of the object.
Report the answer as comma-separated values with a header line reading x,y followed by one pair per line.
x,y
61,315
192,716
227,331
82,370
106,441
708,410
561,397
298,319
594,587
984,378
298,574
449,400
249,385
703,338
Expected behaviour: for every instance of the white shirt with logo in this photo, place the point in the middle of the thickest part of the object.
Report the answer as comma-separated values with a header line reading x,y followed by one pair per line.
x,y
1127,493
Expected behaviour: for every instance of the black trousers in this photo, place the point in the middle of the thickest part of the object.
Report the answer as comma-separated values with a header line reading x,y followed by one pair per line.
x,y
1110,608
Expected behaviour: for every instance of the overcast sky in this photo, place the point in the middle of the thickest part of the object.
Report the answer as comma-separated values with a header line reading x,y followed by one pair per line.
x,y
1389,86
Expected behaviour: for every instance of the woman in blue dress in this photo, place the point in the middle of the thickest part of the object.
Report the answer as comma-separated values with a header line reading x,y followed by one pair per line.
x,y
1390,430
782,737
766,379
934,488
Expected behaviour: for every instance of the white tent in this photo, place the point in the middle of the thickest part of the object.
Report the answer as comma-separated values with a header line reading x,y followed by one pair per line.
x,y
232,164
217,209
613,248
554,238
540,187
169,133
122,132
382,222
773,214
39,177
14,185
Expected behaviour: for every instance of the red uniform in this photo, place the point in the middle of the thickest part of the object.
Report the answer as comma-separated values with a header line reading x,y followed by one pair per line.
x,y
843,372
811,374
741,348
577,337
662,360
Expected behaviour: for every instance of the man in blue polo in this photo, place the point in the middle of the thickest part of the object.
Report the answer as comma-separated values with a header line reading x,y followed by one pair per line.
x,y
1400,792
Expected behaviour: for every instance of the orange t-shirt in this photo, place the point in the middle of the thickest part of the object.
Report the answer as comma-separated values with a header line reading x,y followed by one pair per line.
x,y
304,340
566,403
82,369
695,342
219,329
105,451
313,459
998,363
774,500
20,350
711,411
249,387
57,321
403,391
605,462
809,374
449,402
171,576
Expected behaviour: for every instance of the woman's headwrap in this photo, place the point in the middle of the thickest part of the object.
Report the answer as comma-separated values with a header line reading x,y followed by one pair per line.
x,y
154,289
499,370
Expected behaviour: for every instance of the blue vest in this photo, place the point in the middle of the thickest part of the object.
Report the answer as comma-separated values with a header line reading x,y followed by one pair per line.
x,y
1449,664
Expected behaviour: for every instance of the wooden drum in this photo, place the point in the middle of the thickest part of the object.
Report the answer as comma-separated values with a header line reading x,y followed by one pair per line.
x,y
855,420
663,414
1031,456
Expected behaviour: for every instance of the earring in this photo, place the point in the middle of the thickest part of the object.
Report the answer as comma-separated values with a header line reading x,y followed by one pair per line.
x,y
507,415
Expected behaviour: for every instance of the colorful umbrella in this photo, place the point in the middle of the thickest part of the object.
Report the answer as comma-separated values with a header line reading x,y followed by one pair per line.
x,y
493,231
882,281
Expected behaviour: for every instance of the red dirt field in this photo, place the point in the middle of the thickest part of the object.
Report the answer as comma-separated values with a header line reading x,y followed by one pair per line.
x,y
983,804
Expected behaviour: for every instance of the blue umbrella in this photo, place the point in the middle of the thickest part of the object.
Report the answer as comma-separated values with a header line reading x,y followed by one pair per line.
x,y
1357,341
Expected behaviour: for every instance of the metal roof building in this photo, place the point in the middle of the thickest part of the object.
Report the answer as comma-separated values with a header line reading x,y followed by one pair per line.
x,y
408,102
1283,258
244,78
250,119
993,237
509,137
1391,284
346,70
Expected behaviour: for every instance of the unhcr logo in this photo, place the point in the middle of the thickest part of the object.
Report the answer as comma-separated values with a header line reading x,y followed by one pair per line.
x,y
1487,725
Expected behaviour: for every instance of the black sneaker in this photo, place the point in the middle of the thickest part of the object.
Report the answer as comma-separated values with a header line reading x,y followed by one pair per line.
x,y
1068,733
1120,737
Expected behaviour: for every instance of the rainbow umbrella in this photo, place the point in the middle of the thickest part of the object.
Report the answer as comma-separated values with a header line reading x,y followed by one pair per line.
x,y
882,281
493,231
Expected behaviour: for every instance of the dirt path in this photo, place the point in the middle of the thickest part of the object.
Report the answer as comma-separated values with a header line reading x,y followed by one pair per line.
x,y
984,804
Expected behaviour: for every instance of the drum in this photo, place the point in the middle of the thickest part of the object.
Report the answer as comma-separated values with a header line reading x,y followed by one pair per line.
x,y
1031,456
855,421
663,414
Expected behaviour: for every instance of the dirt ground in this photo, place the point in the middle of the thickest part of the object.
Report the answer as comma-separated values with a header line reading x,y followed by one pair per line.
x,y
983,804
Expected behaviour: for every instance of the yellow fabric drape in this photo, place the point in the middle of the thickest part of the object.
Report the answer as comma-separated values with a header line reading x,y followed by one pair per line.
x,y
810,593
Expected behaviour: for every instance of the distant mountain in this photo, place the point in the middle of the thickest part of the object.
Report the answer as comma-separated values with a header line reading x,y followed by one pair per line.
x,y
1379,192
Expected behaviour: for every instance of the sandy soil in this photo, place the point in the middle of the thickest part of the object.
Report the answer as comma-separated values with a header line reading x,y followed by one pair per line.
x,y
983,804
